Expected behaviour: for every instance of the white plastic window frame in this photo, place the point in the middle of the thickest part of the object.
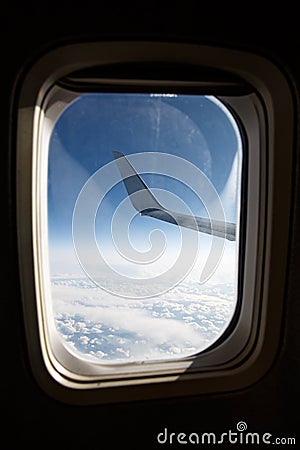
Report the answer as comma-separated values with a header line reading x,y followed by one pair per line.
x,y
267,117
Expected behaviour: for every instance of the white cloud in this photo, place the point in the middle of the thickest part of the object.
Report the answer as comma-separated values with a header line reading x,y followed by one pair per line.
x,y
182,322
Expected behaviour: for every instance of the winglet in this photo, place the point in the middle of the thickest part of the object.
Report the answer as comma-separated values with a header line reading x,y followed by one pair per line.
x,y
118,154
140,195
146,204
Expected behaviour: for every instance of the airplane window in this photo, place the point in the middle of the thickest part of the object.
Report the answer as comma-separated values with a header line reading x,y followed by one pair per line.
x,y
147,179
143,213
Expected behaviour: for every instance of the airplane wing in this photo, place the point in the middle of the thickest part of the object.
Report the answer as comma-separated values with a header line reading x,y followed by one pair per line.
x,y
146,204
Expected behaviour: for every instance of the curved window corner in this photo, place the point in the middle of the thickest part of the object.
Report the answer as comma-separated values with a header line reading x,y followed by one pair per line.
x,y
145,206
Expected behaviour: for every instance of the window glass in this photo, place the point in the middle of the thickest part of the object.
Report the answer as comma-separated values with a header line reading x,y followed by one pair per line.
x,y
143,220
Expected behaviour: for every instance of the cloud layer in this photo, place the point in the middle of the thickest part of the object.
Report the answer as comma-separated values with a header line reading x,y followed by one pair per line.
x,y
106,328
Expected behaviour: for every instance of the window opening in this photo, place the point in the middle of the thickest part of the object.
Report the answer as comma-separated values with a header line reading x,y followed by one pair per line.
x,y
134,275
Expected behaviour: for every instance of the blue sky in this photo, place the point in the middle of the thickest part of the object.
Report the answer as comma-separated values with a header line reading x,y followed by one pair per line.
x,y
196,128
94,125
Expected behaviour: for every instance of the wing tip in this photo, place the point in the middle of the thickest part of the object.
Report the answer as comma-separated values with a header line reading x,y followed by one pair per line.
x,y
117,154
